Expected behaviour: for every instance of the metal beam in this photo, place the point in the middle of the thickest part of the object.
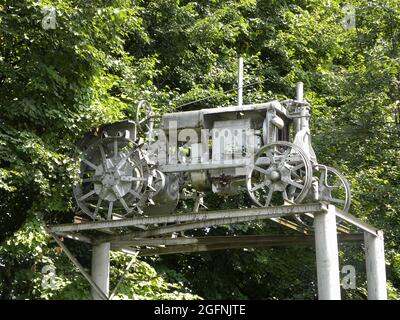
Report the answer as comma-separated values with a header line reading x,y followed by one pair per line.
x,y
198,248
357,222
241,240
272,212
210,244
98,239
123,275
292,225
157,241
74,236
183,227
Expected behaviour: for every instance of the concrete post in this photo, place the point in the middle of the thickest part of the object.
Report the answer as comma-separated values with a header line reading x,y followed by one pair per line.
x,y
101,269
326,247
375,265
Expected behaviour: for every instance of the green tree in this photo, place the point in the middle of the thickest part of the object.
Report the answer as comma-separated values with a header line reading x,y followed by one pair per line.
x,y
105,56
55,85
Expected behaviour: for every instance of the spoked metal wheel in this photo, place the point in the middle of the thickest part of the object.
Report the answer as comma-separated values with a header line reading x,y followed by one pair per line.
x,y
158,182
333,188
281,172
114,178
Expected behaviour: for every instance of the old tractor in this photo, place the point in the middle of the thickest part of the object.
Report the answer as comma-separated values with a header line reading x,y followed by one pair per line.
x,y
132,168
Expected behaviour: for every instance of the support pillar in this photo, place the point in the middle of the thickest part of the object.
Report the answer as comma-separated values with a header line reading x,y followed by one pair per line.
x,y
375,265
326,247
101,269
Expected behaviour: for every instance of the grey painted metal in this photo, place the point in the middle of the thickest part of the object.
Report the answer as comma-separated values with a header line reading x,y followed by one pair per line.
x,y
75,236
297,120
242,240
182,227
101,270
112,176
270,105
210,245
136,241
326,247
300,91
130,251
282,221
238,218
263,180
119,177
304,123
325,241
168,168
329,180
95,287
332,187
357,222
217,146
240,82
267,212
375,265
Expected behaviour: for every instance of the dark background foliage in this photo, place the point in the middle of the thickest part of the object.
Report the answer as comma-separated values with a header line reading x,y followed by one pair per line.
x,y
105,56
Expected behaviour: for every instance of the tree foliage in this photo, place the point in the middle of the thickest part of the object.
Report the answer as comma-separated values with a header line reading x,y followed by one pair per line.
x,y
105,56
